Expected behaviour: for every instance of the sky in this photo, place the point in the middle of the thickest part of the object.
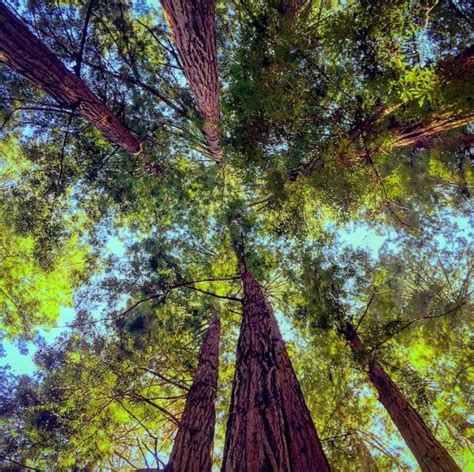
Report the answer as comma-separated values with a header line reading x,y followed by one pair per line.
x,y
23,364
358,235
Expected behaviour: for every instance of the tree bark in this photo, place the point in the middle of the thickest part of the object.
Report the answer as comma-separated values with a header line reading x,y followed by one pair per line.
x,y
429,453
28,56
367,462
420,134
192,24
291,8
269,426
193,445
456,71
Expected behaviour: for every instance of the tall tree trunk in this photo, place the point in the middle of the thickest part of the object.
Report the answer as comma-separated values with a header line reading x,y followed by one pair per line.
x,y
429,453
366,460
421,134
28,56
291,8
192,449
193,27
457,72
269,427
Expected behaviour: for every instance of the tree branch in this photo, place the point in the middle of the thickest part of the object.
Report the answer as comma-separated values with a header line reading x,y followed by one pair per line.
x,y
374,293
421,318
77,67
212,294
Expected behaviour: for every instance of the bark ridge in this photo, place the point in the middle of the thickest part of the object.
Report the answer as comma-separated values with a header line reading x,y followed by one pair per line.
x,y
269,426
193,27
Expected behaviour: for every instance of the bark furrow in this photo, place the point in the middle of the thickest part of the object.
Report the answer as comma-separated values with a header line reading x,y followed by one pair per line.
x,y
420,134
269,426
193,26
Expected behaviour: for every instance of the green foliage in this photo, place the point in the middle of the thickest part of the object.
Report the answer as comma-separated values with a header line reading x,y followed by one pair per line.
x,y
311,115
36,281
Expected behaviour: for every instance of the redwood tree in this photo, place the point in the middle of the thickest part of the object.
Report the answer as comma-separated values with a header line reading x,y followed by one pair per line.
x,y
26,54
193,30
291,8
269,426
429,453
455,72
192,450
421,133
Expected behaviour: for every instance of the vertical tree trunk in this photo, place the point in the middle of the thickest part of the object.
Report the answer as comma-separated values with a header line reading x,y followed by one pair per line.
x,y
366,460
192,449
269,427
28,56
429,453
193,26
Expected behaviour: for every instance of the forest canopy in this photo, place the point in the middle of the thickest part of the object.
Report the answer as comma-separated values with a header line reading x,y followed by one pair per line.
x,y
236,235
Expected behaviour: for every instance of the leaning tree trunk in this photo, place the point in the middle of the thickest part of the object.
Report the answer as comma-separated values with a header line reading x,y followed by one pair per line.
x,y
28,56
269,426
429,453
291,8
421,134
456,73
193,28
192,449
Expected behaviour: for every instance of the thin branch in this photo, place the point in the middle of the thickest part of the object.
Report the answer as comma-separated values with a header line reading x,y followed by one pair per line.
x,y
139,83
121,456
338,404
212,294
366,310
142,453
165,412
77,67
23,465
47,109
421,318
338,436
189,285
166,379
140,422
169,50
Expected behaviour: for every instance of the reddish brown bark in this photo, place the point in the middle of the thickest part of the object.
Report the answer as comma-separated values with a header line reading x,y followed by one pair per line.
x,y
193,30
429,453
291,8
366,460
457,71
269,427
28,56
421,134
192,449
